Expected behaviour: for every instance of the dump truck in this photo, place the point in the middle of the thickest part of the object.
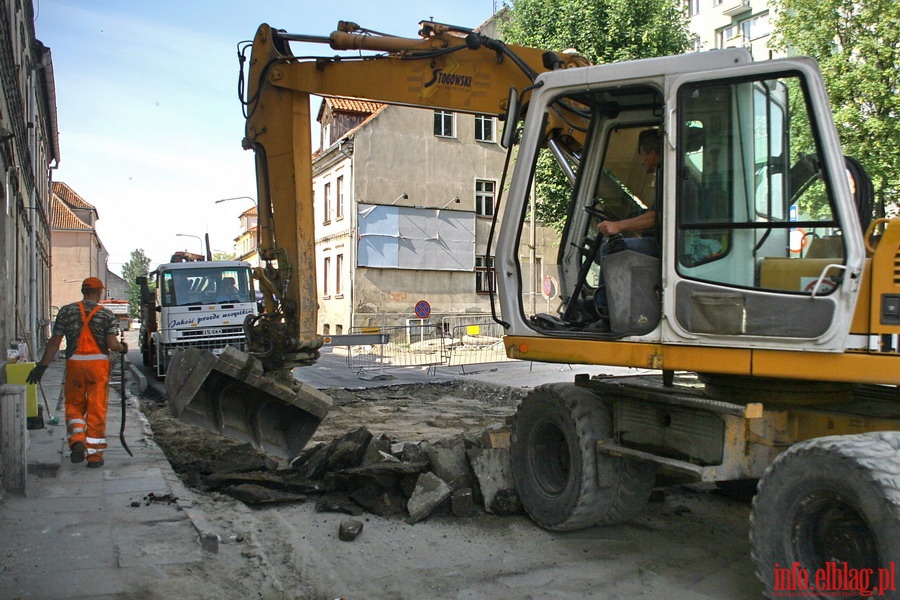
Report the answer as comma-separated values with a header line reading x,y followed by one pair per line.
x,y
191,302
763,301
122,310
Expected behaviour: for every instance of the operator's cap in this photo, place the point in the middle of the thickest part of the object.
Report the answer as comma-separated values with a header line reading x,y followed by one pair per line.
x,y
92,283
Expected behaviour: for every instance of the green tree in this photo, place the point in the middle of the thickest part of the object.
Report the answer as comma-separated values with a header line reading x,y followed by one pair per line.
x,y
220,255
602,31
137,265
857,44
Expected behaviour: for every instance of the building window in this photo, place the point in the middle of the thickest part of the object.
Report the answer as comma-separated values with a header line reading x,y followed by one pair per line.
x,y
755,27
326,203
693,7
339,198
326,269
338,274
444,123
485,278
484,197
484,128
729,37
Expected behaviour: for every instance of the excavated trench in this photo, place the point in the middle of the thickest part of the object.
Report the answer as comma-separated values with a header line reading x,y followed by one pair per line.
x,y
368,455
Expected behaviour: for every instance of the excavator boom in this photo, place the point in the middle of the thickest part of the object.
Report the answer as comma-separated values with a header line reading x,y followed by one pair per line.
x,y
448,68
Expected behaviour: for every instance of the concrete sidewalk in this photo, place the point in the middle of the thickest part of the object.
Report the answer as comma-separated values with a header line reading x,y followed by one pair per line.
x,y
97,533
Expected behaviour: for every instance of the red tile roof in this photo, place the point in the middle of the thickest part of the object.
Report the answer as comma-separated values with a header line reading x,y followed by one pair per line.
x,y
68,195
62,217
352,105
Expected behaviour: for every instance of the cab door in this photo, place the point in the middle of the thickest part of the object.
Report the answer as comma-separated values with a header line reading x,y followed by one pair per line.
x,y
762,245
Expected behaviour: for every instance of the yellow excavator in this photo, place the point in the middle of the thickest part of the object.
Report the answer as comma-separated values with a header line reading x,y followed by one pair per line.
x,y
760,293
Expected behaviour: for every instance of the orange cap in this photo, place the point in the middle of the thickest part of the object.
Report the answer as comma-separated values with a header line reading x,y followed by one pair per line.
x,y
92,283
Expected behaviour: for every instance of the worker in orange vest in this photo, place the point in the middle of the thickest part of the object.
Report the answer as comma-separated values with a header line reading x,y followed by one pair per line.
x,y
90,332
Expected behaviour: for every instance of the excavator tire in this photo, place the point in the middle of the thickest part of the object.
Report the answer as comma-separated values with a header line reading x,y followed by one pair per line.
x,y
835,500
561,479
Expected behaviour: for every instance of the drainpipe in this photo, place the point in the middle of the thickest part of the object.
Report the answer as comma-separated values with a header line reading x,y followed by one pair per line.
x,y
346,148
32,276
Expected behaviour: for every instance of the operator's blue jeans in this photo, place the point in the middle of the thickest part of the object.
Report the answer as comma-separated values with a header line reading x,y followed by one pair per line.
x,y
642,245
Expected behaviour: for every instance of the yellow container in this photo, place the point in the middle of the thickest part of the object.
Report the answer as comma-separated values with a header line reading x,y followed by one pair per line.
x,y
16,373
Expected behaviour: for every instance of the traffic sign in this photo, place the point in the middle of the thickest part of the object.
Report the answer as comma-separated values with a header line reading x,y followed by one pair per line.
x,y
548,288
423,309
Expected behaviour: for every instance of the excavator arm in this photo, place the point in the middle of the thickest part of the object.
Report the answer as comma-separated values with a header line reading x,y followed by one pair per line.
x,y
252,397
447,68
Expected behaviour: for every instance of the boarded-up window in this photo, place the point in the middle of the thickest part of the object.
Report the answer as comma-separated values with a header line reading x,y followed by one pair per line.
x,y
403,237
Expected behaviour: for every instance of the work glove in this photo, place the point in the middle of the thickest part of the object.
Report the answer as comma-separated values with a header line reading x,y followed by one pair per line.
x,y
36,373
124,348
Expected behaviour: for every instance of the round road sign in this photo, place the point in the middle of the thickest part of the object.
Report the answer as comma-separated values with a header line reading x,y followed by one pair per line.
x,y
423,309
548,288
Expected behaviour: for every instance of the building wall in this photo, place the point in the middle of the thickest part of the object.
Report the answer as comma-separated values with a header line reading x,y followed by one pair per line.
x,y
721,24
29,145
75,258
394,158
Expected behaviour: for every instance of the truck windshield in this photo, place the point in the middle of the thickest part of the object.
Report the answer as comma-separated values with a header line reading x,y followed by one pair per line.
x,y
206,285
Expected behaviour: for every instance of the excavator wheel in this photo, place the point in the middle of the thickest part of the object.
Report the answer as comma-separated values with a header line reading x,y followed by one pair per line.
x,y
830,500
561,479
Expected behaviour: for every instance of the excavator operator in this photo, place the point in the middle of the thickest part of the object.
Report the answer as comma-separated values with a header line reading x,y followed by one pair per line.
x,y
646,224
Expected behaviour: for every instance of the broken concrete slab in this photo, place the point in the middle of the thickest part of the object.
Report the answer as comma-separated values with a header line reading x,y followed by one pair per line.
x,y
346,452
430,492
250,493
377,449
338,503
506,502
499,436
449,462
285,480
493,470
462,503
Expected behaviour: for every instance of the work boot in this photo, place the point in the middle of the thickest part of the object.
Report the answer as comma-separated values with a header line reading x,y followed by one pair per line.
x,y
95,464
78,452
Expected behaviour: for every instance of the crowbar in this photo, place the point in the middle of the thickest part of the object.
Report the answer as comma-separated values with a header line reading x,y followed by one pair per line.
x,y
53,420
122,386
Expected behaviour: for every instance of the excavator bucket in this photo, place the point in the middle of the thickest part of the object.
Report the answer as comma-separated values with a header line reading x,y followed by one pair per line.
x,y
230,395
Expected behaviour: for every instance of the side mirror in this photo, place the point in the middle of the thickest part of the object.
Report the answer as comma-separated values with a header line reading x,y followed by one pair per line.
x,y
511,120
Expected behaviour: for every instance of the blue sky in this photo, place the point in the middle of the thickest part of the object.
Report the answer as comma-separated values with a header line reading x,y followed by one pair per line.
x,y
150,125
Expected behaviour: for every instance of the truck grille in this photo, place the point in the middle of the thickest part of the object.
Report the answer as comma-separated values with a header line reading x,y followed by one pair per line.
x,y
214,332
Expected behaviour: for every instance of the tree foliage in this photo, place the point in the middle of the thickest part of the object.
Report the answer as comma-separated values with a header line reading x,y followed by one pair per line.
x,y
138,264
857,44
220,255
603,31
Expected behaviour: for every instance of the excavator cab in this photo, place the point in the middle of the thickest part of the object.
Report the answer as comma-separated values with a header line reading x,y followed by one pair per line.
x,y
750,199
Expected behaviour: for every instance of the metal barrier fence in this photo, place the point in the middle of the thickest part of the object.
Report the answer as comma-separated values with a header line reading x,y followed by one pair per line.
x,y
455,341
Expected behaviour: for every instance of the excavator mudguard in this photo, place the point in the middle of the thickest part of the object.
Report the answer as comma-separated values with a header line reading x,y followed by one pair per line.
x,y
230,395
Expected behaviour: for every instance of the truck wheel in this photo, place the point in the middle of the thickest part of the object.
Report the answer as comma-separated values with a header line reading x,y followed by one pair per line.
x,y
561,479
827,500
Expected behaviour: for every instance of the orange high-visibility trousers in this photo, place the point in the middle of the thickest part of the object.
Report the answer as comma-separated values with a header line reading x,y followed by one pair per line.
x,y
86,390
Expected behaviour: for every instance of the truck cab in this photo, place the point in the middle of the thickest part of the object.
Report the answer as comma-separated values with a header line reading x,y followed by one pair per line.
x,y
195,304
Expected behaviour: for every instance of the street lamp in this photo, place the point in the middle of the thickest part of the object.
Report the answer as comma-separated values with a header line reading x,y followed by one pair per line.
x,y
221,200
200,239
256,204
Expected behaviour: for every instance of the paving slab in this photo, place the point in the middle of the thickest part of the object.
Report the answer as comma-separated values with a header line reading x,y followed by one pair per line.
x,y
94,533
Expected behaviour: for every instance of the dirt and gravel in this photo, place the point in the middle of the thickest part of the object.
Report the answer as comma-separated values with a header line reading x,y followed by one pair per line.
x,y
691,542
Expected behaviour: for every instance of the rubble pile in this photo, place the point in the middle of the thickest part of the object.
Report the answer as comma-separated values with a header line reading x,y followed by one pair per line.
x,y
359,472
